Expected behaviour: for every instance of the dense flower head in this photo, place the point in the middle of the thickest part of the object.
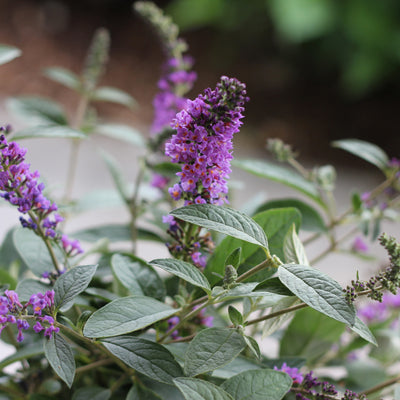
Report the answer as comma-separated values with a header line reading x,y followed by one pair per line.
x,y
292,372
203,142
21,187
13,312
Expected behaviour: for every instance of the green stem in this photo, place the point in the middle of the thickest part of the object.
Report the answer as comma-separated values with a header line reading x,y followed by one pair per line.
x,y
381,386
269,262
72,167
277,313
187,317
96,364
333,246
45,240
133,206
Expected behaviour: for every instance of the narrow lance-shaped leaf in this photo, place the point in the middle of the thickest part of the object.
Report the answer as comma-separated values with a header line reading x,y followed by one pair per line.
x,y
258,385
8,53
197,389
212,348
73,282
280,174
147,357
121,132
184,270
224,220
362,329
293,248
126,315
113,95
38,107
63,76
49,131
61,358
365,150
317,290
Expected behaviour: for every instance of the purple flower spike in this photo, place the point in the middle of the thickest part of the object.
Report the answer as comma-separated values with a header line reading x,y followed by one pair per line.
x,y
21,187
203,143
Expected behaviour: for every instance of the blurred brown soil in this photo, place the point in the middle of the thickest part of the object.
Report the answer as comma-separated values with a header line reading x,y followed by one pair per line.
x,y
299,109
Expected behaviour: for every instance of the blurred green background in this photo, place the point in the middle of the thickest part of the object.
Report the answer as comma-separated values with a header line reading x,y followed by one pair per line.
x,y
316,70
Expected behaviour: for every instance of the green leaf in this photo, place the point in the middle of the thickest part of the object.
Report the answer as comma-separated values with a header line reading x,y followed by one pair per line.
x,y
273,285
113,95
212,348
235,316
8,53
49,131
280,174
126,315
72,283
318,290
184,270
116,233
310,335
33,251
361,329
122,132
166,168
117,175
293,248
21,354
275,224
63,76
92,393
273,324
365,150
366,373
137,276
27,287
197,389
147,357
143,393
253,346
7,279
234,258
61,358
40,108
224,220
239,364
258,385
311,220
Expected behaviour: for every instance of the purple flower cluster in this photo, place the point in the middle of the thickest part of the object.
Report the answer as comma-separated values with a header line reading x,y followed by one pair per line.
x,y
201,319
292,372
380,311
176,81
203,142
308,387
21,187
13,312
191,249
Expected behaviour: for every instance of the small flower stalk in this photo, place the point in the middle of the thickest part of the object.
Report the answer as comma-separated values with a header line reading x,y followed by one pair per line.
x,y
21,188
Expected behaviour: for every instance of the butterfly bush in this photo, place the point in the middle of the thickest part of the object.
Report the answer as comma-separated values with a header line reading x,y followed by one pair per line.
x,y
21,188
189,324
